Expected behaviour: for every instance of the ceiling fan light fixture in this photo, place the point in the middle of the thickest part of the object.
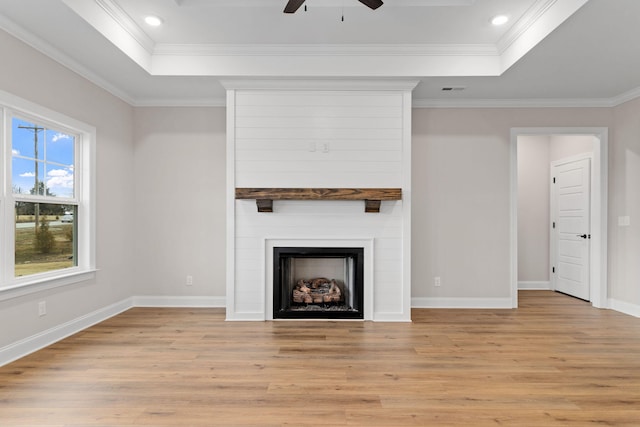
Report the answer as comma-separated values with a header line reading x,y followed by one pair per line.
x,y
293,5
153,21
499,20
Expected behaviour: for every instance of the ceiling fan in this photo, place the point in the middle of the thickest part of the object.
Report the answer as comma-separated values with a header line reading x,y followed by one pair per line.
x,y
293,5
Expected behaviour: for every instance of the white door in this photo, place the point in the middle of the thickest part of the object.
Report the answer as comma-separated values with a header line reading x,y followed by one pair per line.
x,y
571,236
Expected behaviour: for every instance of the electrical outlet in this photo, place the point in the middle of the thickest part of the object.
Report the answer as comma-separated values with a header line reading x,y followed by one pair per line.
x,y
189,280
42,308
436,281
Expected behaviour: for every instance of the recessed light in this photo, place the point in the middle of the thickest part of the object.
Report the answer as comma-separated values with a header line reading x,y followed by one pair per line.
x,y
153,21
499,19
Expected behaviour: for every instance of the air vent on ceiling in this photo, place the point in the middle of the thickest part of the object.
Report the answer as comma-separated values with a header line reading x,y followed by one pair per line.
x,y
453,88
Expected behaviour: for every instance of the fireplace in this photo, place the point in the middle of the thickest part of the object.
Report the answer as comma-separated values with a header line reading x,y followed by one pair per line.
x,y
324,172
318,283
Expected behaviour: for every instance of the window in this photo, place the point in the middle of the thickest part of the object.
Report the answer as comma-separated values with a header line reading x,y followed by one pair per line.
x,y
47,215
43,182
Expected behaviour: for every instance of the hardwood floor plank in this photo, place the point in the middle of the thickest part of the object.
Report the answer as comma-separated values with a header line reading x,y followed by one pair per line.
x,y
555,361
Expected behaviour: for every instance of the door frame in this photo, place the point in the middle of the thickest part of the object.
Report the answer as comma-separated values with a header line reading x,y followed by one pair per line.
x,y
599,206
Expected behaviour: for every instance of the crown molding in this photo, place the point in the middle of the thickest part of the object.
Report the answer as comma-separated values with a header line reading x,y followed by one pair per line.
x,y
370,85
626,97
326,50
181,102
55,54
430,103
110,20
417,103
320,84
514,103
116,13
537,23
530,17
530,102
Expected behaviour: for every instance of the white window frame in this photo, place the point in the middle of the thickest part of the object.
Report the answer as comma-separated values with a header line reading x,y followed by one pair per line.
x,y
11,286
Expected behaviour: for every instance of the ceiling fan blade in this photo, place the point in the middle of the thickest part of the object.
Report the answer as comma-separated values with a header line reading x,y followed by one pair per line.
x,y
293,5
373,4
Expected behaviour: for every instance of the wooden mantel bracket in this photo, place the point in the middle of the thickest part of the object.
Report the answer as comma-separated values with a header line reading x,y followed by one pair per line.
x,y
372,196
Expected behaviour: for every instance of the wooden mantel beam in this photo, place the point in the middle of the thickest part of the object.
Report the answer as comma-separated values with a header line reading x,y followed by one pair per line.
x,y
372,196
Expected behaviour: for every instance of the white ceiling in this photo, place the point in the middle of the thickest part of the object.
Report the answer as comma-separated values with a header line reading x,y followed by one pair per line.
x,y
552,52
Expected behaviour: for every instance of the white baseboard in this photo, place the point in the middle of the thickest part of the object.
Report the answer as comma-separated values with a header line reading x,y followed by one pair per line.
x,y
43,339
428,302
391,317
534,285
625,307
246,317
178,301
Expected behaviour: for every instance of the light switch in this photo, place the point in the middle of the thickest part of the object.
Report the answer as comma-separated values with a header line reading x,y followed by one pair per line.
x,y
624,221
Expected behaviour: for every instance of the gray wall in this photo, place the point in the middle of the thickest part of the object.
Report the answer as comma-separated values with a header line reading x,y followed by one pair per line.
x,y
461,194
179,211
36,78
624,200
533,208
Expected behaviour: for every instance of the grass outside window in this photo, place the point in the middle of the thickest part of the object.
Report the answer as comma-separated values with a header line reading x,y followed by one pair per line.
x,y
50,246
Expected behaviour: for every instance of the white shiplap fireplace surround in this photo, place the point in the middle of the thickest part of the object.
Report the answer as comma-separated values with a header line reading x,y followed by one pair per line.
x,y
319,134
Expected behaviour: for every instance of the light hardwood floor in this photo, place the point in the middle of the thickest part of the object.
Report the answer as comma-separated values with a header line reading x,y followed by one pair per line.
x,y
555,361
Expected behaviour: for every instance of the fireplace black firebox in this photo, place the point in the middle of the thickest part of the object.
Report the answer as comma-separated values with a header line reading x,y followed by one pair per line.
x,y
318,283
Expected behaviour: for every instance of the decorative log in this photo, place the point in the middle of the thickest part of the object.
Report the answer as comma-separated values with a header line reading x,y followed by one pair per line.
x,y
317,291
334,295
298,296
315,283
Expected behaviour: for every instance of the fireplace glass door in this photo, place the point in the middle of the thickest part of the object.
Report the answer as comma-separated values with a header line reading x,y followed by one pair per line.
x,y
318,283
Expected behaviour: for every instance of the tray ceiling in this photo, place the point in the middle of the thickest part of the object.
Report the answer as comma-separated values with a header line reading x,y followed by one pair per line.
x,y
443,43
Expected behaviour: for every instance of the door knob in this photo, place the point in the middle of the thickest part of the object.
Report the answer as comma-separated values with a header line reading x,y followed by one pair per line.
x,y
584,236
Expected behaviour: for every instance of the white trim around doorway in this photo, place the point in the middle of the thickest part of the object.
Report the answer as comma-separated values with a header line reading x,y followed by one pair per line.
x,y
598,270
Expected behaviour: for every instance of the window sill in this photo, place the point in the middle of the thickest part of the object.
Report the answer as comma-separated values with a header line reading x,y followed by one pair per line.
x,y
33,285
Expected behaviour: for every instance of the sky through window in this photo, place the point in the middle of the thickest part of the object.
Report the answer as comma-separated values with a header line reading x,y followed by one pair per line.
x,y
42,155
